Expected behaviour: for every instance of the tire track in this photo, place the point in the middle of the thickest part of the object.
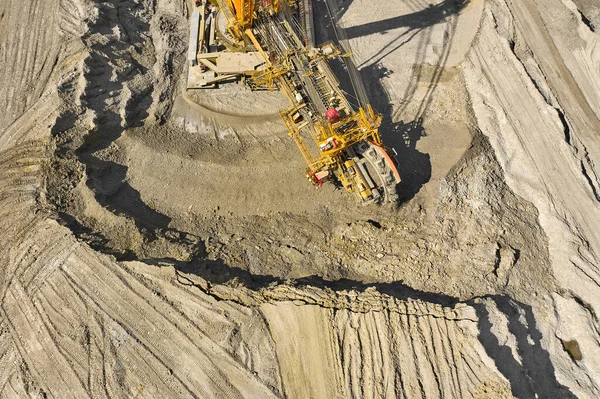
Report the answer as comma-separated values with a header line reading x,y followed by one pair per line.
x,y
37,347
215,370
9,357
33,123
26,44
230,322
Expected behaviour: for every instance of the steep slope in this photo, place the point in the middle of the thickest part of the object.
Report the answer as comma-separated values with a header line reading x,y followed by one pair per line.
x,y
528,82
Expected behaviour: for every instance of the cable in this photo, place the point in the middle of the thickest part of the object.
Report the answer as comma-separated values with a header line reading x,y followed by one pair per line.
x,y
355,79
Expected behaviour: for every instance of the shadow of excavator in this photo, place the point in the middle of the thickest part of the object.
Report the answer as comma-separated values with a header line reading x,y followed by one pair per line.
x,y
364,83
424,16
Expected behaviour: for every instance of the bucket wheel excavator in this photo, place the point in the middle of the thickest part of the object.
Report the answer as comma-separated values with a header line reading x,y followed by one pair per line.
x,y
268,44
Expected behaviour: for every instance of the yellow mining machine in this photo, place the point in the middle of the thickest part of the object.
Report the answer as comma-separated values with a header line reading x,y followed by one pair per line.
x,y
265,42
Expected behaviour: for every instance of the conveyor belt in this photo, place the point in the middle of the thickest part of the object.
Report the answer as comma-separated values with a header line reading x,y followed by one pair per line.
x,y
308,22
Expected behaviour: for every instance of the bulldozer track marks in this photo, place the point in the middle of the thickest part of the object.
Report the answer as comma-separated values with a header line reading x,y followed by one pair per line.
x,y
37,346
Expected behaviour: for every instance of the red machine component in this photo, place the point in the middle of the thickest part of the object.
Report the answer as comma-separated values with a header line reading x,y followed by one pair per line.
x,y
332,115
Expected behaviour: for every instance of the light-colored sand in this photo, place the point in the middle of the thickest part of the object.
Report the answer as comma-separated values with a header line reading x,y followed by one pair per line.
x,y
156,244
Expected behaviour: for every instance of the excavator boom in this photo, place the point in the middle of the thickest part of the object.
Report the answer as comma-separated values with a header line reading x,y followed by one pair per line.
x,y
242,10
339,141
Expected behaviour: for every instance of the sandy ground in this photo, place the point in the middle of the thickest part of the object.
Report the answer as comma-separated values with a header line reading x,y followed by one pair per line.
x,y
163,243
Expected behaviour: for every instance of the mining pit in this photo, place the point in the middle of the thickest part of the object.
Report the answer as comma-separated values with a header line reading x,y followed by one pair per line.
x,y
164,243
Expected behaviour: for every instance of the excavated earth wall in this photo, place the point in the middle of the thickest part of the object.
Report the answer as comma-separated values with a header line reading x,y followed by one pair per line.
x,y
162,244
